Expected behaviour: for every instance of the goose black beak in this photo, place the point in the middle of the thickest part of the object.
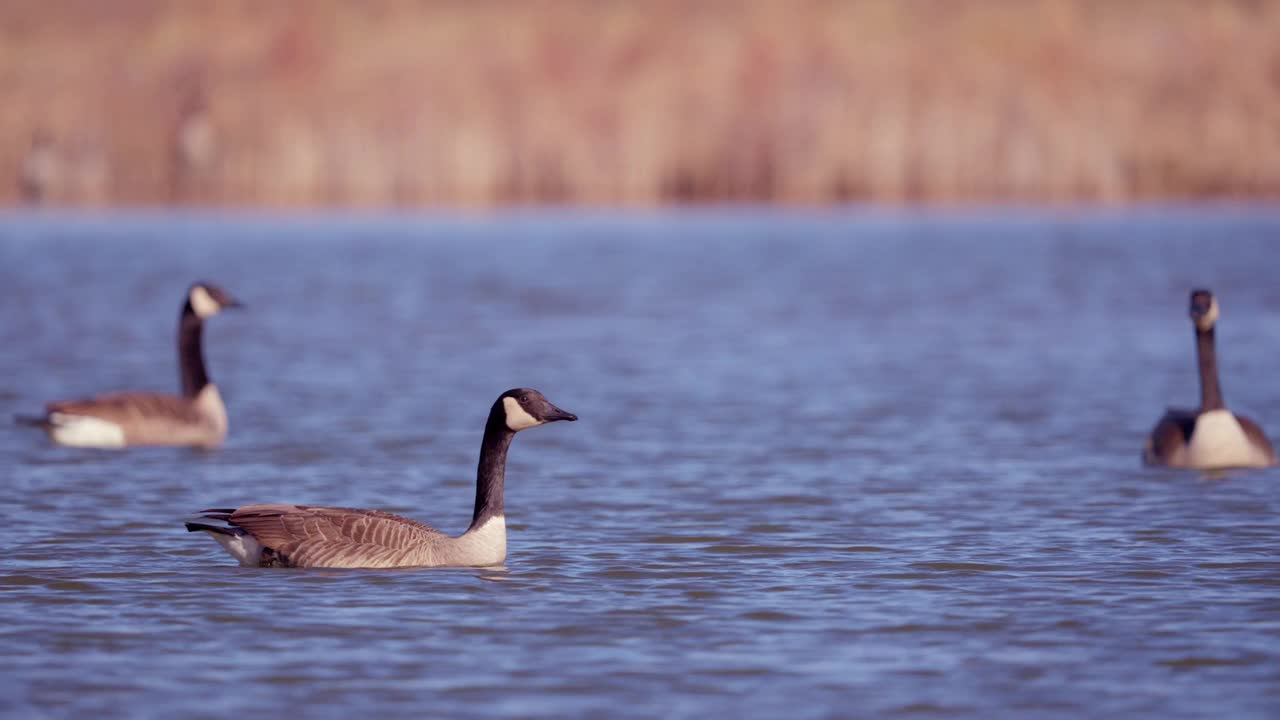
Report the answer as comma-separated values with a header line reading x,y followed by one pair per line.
x,y
233,304
558,414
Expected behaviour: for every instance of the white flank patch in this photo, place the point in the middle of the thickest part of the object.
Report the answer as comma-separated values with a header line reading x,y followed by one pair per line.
x,y
241,547
85,431
203,303
487,544
1218,441
517,417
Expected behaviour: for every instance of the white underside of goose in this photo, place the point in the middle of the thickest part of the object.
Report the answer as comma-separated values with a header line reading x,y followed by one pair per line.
x,y
487,544
85,431
1218,441
244,548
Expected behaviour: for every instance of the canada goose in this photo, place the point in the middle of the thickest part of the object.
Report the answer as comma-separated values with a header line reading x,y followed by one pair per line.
x,y
117,420
1211,437
310,537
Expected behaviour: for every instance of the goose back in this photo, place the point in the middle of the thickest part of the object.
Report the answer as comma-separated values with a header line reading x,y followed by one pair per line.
x,y
336,537
196,418
305,536
149,418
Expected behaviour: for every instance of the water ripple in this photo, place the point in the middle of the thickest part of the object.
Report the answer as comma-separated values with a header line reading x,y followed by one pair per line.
x,y
829,465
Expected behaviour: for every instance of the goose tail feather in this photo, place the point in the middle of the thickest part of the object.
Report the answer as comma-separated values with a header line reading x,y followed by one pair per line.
x,y
214,520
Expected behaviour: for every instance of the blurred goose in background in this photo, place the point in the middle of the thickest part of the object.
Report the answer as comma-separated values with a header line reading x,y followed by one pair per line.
x,y
117,420
1211,437
303,536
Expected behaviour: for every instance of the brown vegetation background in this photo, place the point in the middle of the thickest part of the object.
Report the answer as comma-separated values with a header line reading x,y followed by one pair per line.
x,y
490,102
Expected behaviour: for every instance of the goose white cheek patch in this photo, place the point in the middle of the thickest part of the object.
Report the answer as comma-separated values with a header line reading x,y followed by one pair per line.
x,y
517,417
203,303
1210,317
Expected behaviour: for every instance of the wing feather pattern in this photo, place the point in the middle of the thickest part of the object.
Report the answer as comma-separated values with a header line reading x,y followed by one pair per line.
x,y
305,536
130,408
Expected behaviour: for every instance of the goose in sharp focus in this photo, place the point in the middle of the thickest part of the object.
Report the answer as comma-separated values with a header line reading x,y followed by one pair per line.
x,y
1211,437
332,537
117,420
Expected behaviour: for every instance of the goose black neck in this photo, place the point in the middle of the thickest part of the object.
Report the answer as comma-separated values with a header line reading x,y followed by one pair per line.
x,y
191,352
492,471
1210,389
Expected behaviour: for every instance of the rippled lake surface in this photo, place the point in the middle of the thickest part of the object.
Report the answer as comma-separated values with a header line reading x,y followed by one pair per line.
x,y
843,464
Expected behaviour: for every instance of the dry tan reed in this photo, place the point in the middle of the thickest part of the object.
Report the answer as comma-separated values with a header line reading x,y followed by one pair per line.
x,y
386,103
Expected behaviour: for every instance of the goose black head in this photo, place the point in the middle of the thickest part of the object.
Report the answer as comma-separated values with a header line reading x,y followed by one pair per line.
x,y
523,408
1204,309
207,300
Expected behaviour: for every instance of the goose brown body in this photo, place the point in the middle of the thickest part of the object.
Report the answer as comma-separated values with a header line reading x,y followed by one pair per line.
x,y
1210,437
335,537
305,536
197,417
1170,443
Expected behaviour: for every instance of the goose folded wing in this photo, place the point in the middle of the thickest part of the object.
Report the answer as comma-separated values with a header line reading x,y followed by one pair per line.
x,y
123,408
309,536
1171,434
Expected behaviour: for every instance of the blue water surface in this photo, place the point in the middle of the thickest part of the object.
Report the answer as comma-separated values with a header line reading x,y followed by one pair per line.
x,y
854,463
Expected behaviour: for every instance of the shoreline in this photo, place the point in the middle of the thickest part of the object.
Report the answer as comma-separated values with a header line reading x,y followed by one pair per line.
x,y
600,105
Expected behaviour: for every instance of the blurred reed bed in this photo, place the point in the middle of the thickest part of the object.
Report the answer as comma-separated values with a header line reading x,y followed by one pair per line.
x,y
382,103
